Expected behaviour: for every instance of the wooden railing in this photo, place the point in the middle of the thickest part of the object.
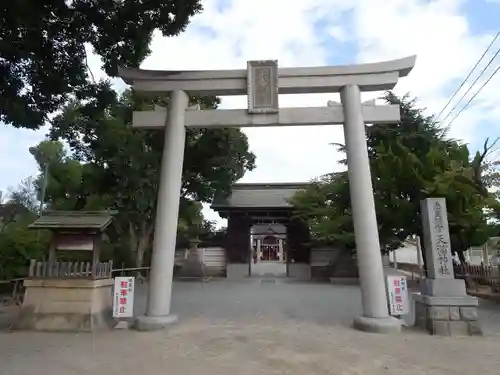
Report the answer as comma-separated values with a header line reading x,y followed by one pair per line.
x,y
64,270
479,275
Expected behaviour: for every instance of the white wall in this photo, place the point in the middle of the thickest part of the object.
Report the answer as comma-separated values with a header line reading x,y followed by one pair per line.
x,y
408,254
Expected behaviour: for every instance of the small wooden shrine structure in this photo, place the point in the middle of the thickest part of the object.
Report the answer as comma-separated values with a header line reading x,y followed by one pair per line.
x,y
72,289
76,235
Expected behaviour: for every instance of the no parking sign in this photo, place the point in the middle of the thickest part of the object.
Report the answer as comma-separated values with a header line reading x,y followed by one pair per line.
x,y
397,293
123,297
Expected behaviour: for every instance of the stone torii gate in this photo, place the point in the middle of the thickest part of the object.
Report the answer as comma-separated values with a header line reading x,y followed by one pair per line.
x,y
262,81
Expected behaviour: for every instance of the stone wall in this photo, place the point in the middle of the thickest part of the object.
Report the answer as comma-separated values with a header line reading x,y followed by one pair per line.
x,y
299,271
67,305
200,262
443,316
327,263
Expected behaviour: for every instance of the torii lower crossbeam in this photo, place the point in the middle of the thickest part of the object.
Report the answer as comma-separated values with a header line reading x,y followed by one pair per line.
x,y
237,118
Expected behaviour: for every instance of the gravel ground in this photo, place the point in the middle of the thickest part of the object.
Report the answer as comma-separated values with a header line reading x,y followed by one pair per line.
x,y
254,328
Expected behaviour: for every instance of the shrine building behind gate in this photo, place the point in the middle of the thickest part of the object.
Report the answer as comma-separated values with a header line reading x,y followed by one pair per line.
x,y
262,236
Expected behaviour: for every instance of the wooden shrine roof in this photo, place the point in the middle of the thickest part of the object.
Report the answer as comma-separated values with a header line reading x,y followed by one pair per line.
x,y
252,196
80,220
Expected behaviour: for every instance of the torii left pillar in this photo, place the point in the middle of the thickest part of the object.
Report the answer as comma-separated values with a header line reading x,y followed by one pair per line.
x,y
167,214
375,317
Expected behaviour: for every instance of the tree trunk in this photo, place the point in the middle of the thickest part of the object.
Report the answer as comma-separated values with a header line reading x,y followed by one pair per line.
x,y
142,246
139,243
132,235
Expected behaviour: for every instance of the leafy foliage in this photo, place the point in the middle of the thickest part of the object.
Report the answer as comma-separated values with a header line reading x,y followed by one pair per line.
x,y
410,161
43,58
24,197
18,244
114,166
327,194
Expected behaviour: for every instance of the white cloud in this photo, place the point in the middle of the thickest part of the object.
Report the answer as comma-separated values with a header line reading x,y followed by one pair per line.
x,y
338,33
310,32
439,34
244,31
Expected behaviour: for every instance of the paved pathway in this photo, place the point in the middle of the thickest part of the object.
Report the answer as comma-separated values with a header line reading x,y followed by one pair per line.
x,y
253,328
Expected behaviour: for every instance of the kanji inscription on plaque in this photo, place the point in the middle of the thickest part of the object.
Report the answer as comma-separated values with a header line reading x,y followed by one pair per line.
x,y
262,86
437,238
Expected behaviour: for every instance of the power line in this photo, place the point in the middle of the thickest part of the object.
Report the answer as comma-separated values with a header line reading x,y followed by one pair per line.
x,y
468,76
473,83
477,92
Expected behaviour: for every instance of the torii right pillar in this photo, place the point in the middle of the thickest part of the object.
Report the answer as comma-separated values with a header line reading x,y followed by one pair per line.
x,y
375,316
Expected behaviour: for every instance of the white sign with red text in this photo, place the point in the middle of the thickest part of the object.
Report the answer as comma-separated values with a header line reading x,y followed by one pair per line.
x,y
397,293
123,297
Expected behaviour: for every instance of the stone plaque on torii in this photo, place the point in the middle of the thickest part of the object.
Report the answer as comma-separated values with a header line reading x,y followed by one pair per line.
x,y
262,82
262,86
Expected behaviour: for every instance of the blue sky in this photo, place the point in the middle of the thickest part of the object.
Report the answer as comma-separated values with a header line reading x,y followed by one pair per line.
x,y
448,36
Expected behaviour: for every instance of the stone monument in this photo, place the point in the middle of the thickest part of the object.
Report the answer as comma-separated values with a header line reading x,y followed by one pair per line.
x,y
443,307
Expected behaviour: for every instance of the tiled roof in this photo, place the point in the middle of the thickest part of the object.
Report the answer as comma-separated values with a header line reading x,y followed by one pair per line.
x,y
73,220
273,195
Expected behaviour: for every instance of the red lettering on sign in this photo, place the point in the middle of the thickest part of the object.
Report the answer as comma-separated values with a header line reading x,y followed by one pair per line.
x,y
123,301
123,292
123,284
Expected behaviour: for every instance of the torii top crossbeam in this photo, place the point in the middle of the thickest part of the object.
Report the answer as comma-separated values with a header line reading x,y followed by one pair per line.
x,y
326,79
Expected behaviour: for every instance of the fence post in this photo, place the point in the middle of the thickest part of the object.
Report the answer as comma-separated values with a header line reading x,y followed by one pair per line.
x,y
419,258
485,254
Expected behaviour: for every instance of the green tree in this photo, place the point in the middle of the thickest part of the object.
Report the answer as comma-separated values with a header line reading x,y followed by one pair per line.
x,y
209,235
24,196
18,244
325,205
410,161
43,60
114,166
